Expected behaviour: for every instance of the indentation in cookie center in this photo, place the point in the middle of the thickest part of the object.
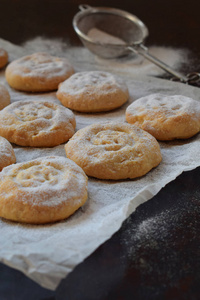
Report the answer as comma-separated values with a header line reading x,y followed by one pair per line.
x,y
37,175
112,140
31,113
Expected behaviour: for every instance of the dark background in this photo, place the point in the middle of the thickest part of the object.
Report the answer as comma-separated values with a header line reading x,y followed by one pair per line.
x,y
156,253
171,23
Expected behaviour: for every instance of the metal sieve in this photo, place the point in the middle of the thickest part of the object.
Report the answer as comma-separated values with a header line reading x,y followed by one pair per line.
x,y
125,27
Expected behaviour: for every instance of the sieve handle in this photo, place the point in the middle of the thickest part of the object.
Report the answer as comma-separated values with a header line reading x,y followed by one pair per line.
x,y
142,50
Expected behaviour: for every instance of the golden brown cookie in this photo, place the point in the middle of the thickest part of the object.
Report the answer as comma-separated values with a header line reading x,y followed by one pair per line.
x,y
114,151
166,117
7,155
39,72
36,123
4,97
93,91
43,190
3,58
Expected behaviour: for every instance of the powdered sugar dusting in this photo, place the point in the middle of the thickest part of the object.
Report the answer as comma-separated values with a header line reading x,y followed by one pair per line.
x,y
103,37
133,65
170,105
4,96
41,65
97,81
114,150
35,118
39,250
46,181
166,117
7,155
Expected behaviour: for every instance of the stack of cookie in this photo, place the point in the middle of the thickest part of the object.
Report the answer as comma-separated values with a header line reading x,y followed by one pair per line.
x,y
52,188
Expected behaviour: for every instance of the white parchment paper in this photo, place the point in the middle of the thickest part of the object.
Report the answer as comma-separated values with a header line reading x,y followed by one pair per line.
x,y
48,253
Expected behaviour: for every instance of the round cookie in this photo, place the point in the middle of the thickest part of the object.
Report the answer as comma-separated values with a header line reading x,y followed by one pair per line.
x,y
4,97
43,190
166,117
93,91
114,151
3,58
39,72
36,123
7,154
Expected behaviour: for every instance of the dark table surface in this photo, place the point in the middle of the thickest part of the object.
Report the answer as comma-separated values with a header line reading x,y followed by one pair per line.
x,y
156,253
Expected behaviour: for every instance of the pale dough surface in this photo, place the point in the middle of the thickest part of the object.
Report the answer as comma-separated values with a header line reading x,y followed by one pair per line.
x,y
114,150
4,97
39,72
7,154
3,58
36,123
93,91
166,117
43,190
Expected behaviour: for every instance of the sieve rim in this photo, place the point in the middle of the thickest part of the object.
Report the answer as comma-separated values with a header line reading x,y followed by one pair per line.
x,y
88,10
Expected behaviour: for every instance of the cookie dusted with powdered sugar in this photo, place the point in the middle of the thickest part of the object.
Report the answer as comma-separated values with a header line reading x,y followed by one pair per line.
x,y
7,154
3,58
114,151
39,72
36,123
166,117
4,97
43,190
93,91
